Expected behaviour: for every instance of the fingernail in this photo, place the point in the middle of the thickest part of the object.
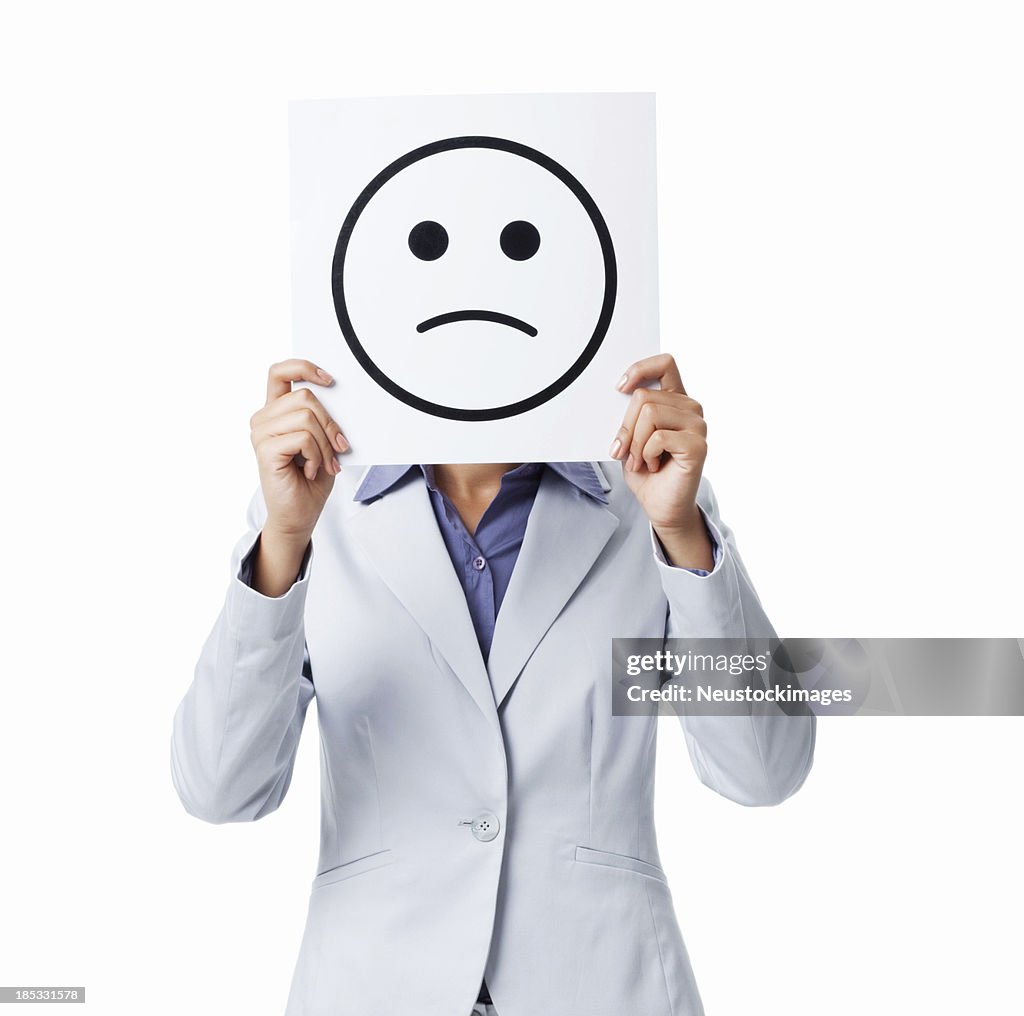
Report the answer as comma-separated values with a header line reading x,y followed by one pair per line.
x,y
615,449
630,464
327,379
623,382
343,445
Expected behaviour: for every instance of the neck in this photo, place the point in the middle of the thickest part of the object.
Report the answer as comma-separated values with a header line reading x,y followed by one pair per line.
x,y
469,479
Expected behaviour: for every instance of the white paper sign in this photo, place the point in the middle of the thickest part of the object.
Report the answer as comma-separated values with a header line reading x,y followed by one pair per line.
x,y
476,272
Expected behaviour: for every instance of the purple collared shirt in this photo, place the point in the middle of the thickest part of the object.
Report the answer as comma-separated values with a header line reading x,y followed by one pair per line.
x,y
484,560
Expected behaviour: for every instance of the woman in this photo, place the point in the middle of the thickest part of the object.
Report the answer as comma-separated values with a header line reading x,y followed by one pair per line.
x,y
487,835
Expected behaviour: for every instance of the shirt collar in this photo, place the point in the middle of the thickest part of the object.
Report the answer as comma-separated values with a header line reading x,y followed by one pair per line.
x,y
582,475
378,480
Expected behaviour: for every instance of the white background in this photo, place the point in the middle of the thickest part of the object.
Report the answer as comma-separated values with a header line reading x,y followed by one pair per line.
x,y
840,224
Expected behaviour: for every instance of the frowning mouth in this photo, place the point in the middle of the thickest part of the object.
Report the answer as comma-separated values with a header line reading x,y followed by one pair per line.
x,y
476,315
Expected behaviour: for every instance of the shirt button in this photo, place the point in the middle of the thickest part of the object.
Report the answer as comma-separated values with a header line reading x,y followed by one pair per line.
x,y
479,563
485,826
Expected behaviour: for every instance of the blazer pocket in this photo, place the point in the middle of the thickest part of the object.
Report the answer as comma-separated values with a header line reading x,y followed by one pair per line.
x,y
587,855
353,868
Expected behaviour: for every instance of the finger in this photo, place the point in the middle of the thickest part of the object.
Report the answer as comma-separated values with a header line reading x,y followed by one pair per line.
x,y
281,375
654,416
303,398
278,453
299,419
640,398
660,367
684,446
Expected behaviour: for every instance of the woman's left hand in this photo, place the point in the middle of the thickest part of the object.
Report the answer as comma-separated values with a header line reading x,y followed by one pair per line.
x,y
662,444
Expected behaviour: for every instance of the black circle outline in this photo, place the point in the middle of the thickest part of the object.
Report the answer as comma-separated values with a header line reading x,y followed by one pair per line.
x,y
545,394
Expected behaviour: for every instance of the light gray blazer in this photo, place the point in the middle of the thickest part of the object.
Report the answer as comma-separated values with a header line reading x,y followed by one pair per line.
x,y
476,819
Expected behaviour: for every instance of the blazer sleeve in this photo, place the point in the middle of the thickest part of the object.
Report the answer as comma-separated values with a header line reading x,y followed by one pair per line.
x,y
236,731
760,757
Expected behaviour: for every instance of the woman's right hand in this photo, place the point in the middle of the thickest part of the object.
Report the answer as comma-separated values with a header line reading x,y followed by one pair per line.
x,y
295,441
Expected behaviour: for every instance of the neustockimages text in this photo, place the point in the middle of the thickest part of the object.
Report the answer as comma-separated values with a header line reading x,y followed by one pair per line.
x,y
675,665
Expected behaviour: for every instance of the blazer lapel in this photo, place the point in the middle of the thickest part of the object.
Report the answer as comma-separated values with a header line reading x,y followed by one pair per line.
x,y
399,534
566,532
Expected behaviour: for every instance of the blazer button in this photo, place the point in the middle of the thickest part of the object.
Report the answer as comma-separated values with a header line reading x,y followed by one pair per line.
x,y
485,826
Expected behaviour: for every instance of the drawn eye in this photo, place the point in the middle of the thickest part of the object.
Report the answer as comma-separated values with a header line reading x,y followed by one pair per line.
x,y
520,240
428,240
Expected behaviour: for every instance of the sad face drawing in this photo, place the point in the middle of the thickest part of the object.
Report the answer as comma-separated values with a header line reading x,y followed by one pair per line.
x,y
474,278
